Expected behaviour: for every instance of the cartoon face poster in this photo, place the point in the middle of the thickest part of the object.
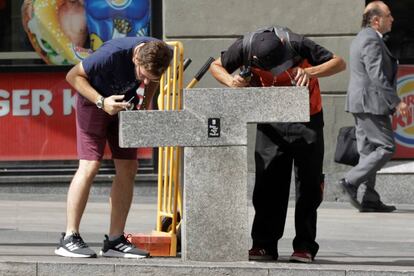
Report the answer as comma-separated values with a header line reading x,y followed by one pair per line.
x,y
404,127
66,31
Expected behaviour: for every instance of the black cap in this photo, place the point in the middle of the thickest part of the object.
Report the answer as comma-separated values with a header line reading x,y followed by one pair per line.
x,y
268,49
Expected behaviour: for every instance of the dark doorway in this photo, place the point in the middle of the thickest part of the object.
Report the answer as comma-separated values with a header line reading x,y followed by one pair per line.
x,y
401,39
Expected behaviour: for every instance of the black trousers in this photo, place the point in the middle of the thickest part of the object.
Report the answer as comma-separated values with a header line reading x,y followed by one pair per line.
x,y
275,155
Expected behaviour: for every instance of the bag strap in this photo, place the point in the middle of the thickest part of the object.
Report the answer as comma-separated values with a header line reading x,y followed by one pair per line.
x,y
283,33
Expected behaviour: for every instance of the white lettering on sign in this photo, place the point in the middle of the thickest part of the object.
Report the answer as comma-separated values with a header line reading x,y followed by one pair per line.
x,y
25,102
20,101
4,104
41,99
68,101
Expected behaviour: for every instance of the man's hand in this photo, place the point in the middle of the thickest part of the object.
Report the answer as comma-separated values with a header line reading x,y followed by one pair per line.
x,y
403,109
221,74
114,104
301,76
238,81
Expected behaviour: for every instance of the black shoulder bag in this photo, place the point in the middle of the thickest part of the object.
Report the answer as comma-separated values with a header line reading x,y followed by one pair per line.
x,y
346,151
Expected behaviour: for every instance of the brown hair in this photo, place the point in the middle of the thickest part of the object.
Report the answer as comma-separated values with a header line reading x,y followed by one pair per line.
x,y
155,57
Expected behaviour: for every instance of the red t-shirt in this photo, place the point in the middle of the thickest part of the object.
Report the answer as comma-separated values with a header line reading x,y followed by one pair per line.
x,y
265,78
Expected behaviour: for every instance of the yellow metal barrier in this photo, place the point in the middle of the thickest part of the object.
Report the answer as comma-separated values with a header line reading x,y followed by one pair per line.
x,y
169,158
169,207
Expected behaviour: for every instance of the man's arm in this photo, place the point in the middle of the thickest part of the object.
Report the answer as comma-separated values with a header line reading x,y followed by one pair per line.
x,y
220,74
328,68
371,52
78,78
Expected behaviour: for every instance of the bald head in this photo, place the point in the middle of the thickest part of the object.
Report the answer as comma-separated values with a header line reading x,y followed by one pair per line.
x,y
375,5
378,16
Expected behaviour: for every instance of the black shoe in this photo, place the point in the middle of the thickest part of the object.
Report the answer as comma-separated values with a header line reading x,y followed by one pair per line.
x,y
351,191
378,206
74,246
122,248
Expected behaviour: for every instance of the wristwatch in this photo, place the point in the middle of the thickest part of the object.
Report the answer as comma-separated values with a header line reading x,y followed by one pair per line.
x,y
100,102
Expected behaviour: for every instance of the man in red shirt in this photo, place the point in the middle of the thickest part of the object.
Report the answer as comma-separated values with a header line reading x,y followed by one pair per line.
x,y
278,57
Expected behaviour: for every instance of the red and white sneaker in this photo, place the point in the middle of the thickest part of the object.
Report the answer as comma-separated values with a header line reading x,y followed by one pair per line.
x,y
257,253
301,256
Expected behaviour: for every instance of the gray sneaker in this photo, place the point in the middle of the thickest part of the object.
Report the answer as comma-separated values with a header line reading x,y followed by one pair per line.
x,y
121,248
74,246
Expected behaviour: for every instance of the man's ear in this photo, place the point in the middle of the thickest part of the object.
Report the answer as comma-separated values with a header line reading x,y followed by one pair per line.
x,y
135,60
375,19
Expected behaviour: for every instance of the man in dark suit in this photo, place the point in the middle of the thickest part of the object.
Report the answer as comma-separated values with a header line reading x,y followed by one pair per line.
x,y
372,98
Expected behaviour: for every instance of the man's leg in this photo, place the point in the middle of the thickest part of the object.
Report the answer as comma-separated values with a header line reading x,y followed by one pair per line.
x,y
116,245
91,129
78,193
270,195
376,146
308,160
375,141
121,194
71,243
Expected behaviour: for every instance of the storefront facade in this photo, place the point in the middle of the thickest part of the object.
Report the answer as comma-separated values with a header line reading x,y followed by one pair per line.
x,y
36,104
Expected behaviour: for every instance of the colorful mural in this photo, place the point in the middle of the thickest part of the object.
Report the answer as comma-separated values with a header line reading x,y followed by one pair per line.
x,y
66,31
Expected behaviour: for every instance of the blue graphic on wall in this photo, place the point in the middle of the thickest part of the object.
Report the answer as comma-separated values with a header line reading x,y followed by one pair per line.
x,y
108,19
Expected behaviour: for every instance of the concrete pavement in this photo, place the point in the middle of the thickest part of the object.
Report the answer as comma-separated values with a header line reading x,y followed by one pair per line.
x,y
351,243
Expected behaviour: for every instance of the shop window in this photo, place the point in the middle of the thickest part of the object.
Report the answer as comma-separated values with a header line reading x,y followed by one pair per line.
x,y
16,47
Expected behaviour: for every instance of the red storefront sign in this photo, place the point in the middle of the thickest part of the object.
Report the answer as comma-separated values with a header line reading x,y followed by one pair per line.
x,y
404,127
37,118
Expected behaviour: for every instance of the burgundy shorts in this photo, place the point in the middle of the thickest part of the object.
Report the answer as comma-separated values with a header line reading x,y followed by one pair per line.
x,y
94,127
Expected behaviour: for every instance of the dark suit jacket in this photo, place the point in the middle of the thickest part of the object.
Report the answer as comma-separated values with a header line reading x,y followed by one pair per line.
x,y
372,86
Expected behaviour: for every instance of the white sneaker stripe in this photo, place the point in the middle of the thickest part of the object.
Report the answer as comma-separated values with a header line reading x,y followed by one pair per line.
x,y
123,248
127,249
73,247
